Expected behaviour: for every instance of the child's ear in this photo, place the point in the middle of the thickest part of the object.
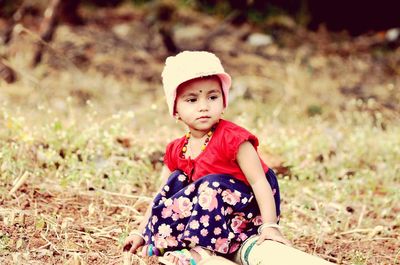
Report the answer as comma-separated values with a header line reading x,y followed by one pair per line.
x,y
177,117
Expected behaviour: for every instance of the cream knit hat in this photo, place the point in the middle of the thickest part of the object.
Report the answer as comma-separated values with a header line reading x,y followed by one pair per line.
x,y
188,65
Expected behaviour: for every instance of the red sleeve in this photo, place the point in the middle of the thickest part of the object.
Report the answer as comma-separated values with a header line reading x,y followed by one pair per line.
x,y
233,139
168,157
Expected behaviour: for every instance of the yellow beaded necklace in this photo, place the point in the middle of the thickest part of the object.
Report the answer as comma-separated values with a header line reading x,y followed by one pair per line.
x,y
203,147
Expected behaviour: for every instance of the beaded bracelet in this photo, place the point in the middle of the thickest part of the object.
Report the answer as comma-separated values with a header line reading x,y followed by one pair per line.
x,y
137,233
274,225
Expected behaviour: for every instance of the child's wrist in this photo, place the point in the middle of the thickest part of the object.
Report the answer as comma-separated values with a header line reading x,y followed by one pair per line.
x,y
268,225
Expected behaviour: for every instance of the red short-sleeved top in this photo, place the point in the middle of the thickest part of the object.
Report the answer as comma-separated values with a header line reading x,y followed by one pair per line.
x,y
219,157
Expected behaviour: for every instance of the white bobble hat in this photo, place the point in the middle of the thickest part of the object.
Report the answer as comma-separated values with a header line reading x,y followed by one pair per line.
x,y
189,65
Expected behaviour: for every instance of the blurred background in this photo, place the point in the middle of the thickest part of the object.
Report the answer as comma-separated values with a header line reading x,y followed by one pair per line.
x,y
84,123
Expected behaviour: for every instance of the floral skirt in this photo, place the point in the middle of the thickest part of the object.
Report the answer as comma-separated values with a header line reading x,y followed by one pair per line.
x,y
217,212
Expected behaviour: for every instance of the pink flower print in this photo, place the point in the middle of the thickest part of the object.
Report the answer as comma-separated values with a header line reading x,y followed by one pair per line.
x,y
182,206
203,186
204,220
194,224
222,245
238,224
194,240
164,230
234,247
223,211
217,231
204,232
215,184
166,212
243,236
181,178
180,227
217,217
168,202
230,197
208,199
257,220
274,192
175,217
229,210
190,189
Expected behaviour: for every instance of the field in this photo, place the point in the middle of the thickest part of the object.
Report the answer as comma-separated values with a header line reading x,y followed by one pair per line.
x,y
82,135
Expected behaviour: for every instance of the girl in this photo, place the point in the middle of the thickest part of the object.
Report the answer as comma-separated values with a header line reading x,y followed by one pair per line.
x,y
217,192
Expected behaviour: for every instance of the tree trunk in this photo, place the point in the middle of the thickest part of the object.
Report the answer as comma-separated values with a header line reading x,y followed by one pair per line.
x,y
47,29
7,73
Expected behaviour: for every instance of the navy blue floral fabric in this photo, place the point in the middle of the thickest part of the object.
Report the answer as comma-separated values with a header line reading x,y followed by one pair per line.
x,y
217,212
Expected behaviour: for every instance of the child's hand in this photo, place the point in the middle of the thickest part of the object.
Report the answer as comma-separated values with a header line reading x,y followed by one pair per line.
x,y
271,233
133,242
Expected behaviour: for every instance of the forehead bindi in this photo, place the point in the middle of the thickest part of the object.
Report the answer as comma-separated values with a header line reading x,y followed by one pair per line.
x,y
200,86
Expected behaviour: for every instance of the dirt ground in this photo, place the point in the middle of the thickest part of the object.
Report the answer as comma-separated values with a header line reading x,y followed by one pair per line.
x,y
85,226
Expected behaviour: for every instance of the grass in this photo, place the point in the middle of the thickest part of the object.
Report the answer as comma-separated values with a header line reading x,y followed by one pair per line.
x,y
81,149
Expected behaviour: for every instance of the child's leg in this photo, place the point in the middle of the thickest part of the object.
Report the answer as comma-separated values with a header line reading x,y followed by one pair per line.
x,y
271,252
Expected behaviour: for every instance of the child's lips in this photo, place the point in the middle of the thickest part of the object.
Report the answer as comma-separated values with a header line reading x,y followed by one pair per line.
x,y
204,118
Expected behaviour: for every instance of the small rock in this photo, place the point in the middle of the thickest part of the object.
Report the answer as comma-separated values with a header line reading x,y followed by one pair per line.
x,y
189,33
122,30
393,34
259,39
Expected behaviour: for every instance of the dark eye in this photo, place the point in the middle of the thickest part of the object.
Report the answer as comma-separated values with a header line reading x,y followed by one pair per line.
x,y
214,97
191,100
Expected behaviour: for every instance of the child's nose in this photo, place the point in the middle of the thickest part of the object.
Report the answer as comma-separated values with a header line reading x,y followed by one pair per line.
x,y
203,105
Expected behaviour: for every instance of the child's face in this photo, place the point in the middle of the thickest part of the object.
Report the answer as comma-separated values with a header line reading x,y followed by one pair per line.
x,y
199,103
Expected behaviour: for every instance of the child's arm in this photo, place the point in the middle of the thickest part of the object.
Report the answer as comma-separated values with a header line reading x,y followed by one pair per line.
x,y
134,240
250,164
